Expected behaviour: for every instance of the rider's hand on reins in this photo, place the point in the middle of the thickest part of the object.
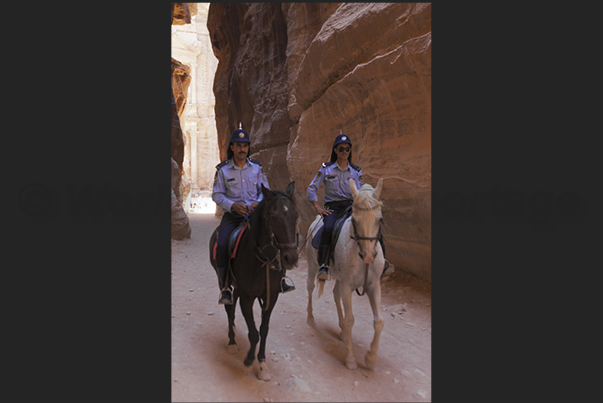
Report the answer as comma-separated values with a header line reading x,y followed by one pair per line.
x,y
240,208
252,207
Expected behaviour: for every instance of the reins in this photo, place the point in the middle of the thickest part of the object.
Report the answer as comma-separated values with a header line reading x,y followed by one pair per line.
x,y
267,262
361,238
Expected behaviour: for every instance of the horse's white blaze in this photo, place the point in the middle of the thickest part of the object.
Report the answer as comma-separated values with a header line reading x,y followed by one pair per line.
x,y
285,208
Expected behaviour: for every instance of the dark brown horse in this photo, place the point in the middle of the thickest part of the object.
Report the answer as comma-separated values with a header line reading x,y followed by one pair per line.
x,y
266,249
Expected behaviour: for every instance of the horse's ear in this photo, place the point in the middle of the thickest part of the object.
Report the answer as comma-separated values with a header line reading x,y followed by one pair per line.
x,y
266,192
353,187
378,188
290,189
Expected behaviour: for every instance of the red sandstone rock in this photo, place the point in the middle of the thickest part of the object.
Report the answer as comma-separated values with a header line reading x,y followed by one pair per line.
x,y
181,13
297,73
180,81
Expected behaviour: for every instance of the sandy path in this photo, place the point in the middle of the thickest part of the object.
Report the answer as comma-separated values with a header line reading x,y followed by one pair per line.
x,y
306,362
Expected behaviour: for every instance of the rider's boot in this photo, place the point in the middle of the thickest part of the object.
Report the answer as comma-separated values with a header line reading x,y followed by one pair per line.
x,y
388,268
225,289
323,271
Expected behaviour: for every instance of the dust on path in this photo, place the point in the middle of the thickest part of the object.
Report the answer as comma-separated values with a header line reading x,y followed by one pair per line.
x,y
306,362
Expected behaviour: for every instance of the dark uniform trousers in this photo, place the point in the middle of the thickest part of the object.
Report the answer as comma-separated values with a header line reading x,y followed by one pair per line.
x,y
327,231
230,221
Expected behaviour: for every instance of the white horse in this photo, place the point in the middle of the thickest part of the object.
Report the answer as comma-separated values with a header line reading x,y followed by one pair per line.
x,y
358,263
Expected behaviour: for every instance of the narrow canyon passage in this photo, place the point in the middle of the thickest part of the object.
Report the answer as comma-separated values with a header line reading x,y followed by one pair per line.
x,y
306,362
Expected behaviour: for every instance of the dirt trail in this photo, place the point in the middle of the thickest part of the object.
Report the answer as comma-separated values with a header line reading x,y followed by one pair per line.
x,y
306,362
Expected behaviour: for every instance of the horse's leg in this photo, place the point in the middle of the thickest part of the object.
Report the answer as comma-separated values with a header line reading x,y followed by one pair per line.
x,y
374,294
346,293
312,270
264,373
310,316
337,298
247,310
230,312
310,287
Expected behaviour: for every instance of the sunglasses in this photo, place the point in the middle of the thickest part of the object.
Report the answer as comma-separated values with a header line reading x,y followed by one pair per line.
x,y
342,149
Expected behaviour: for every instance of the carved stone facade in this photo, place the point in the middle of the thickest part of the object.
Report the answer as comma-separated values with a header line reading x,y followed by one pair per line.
x,y
191,46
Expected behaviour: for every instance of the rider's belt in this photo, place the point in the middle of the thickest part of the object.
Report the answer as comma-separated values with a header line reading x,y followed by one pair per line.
x,y
336,205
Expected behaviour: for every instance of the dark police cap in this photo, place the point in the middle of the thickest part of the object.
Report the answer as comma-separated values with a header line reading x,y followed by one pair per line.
x,y
342,138
240,136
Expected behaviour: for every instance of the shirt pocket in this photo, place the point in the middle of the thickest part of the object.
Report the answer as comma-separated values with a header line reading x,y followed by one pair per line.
x,y
233,187
252,188
331,184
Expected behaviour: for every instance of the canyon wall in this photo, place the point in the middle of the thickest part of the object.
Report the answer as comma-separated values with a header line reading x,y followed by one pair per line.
x,y
180,82
295,74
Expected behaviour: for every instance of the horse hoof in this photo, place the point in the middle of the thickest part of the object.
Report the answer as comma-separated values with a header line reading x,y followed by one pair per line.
x,y
310,320
351,364
248,362
263,373
232,349
370,359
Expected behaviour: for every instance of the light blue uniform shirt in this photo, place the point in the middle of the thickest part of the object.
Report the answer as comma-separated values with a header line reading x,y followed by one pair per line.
x,y
336,180
238,185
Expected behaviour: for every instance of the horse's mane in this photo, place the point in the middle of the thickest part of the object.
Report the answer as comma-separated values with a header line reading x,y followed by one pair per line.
x,y
365,198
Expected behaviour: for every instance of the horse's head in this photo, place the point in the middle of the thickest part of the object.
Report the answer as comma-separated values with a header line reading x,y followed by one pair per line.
x,y
282,216
367,218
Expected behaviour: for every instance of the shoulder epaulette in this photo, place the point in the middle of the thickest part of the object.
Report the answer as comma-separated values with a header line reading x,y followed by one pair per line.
x,y
221,164
356,167
255,161
327,164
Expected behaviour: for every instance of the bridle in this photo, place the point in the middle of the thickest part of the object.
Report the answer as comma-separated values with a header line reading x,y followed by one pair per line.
x,y
267,262
365,238
274,244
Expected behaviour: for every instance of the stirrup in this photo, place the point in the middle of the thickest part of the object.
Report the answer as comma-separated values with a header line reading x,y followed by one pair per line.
x,y
286,287
388,269
323,274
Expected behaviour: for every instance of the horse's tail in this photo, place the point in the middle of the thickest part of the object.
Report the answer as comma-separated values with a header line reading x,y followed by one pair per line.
x,y
321,286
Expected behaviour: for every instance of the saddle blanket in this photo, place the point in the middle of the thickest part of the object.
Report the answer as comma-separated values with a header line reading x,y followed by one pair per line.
x,y
336,230
233,241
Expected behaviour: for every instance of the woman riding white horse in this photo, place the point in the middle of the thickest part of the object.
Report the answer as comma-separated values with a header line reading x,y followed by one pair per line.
x,y
358,263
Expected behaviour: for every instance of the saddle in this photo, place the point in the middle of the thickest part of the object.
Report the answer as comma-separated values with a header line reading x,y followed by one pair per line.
x,y
233,240
336,231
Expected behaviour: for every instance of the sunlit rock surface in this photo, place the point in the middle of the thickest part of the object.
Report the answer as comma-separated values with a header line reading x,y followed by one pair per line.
x,y
180,81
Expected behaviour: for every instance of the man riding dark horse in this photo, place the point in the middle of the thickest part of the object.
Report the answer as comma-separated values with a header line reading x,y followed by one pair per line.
x,y
237,190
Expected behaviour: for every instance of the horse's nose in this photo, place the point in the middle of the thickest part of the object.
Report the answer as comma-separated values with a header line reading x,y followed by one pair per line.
x,y
366,257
